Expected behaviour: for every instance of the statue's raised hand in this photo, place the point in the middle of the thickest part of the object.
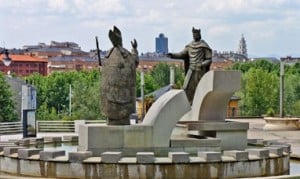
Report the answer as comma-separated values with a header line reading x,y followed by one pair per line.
x,y
134,44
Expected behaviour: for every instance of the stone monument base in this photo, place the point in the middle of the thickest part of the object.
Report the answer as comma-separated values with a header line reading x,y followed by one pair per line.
x,y
131,139
233,135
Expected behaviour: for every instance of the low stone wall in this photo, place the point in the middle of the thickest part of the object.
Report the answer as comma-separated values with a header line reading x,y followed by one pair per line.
x,y
269,161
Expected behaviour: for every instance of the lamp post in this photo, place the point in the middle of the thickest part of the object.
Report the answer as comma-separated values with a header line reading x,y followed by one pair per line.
x,y
70,100
6,60
172,76
142,92
281,87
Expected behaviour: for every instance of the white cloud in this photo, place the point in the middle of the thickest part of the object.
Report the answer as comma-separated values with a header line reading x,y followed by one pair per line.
x,y
58,5
222,22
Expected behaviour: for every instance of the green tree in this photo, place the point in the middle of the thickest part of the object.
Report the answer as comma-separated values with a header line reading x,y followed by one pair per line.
x,y
296,108
260,91
150,83
257,64
291,94
158,78
7,109
53,93
86,98
161,74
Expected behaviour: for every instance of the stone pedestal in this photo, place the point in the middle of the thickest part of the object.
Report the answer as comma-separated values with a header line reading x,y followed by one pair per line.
x,y
153,133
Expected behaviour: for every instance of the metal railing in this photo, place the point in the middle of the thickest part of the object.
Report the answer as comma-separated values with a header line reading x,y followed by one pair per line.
x,y
55,126
10,128
61,126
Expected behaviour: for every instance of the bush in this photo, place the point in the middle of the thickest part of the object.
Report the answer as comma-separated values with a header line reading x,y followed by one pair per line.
x,y
270,112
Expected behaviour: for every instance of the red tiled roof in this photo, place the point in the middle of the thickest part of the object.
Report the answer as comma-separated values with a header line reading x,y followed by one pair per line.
x,y
24,58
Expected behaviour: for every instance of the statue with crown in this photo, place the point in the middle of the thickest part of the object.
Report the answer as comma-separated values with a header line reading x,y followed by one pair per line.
x,y
197,56
118,80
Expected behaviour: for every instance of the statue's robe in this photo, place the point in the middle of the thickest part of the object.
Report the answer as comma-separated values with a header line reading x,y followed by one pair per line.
x,y
118,86
198,57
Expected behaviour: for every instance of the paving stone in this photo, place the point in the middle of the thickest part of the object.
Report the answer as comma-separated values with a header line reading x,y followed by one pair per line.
x,y
11,150
48,155
237,154
145,157
275,150
261,153
26,153
210,156
78,157
111,157
286,148
179,157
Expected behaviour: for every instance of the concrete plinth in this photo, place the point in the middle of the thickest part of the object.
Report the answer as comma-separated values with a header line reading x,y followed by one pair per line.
x,y
179,157
145,157
48,155
225,131
26,153
7,151
78,157
210,156
111,157
261,153
154,132
237,154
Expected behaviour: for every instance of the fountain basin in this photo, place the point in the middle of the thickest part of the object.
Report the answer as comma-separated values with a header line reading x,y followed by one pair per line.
x,y
277,123
175,165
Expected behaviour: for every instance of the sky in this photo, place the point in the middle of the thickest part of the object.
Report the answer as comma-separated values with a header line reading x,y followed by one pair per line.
x,y
270,27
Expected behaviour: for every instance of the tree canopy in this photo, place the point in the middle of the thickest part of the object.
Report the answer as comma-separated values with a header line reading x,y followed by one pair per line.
x,y
260,87
7,107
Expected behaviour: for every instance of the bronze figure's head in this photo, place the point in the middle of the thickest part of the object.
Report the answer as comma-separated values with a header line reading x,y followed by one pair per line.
x,y
115,37
196,34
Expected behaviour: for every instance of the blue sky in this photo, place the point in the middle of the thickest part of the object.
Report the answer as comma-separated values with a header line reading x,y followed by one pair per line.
x,y
270,27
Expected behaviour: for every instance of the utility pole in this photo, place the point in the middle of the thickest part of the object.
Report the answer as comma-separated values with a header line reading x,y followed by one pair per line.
x,y
142,92
281,87
70,100
172,76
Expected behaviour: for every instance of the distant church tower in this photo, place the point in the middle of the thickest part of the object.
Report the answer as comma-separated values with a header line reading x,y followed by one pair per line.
x,y
243,47
161,44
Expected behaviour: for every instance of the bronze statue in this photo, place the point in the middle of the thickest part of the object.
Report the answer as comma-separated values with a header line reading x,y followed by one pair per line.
x,y
197,57
118,81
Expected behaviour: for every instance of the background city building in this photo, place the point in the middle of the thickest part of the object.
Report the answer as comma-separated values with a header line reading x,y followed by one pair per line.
x,y
54,49
149,60
243,47
24,65
71,63
161,44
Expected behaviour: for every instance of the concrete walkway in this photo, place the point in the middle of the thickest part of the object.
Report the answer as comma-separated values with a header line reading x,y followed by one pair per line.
x,y
256,132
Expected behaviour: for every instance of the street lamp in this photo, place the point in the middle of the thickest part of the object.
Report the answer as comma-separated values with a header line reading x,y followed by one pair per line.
x,y
281,104
6,60
142,92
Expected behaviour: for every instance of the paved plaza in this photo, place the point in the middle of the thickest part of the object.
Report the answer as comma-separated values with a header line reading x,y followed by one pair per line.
x,y
256,132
